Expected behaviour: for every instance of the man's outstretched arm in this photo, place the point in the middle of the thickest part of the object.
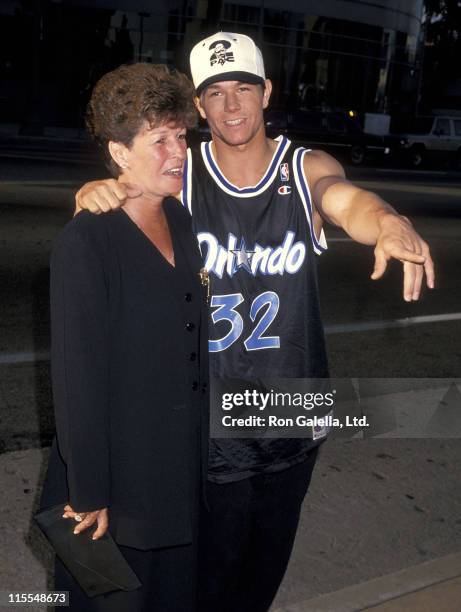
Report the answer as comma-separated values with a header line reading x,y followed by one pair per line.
x,y
369,220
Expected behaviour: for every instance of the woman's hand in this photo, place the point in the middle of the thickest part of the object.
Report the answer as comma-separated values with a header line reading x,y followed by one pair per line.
x,y
86,519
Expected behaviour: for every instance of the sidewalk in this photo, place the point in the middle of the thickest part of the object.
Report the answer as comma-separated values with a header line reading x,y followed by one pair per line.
x,y
434,586
387,508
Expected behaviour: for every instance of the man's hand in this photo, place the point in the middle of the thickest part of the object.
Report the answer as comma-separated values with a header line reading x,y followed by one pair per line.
x,y
398,240
368,220
103,196
86,519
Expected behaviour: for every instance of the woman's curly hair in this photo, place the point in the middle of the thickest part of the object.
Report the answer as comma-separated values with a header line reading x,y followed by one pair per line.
x,y
131,94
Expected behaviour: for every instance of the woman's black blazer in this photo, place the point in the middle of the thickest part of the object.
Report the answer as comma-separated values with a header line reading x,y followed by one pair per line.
x,y
129,369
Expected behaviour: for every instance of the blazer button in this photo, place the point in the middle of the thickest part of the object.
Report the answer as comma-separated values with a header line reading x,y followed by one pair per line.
x,y
192,356
188,297
204,387
194,385
190,326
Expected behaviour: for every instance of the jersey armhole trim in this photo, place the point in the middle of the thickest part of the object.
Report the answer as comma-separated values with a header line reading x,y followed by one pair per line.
x,y
319,244
186,191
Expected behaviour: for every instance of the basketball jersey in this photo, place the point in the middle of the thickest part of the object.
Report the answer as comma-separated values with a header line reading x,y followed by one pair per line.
x,y
259,247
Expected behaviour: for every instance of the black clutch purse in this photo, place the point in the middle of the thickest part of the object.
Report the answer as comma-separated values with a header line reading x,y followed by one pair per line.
x,y
97,565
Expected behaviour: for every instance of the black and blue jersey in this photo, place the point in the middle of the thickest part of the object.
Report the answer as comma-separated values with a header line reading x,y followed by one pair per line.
x,y
259,247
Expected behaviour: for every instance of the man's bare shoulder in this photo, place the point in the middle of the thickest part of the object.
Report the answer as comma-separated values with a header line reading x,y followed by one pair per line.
x,y
318,164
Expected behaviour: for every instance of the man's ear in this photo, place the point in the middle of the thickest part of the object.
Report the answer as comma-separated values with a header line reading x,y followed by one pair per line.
x,y
199,107
119,153
267,93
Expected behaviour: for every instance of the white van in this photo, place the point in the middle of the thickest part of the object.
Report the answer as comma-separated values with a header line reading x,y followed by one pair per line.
x,y
434,137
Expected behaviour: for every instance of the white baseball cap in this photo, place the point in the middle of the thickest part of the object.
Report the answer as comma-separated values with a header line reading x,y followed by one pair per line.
x,y
226,56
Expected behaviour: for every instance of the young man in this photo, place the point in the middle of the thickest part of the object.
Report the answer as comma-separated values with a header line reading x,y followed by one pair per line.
x,y
258,207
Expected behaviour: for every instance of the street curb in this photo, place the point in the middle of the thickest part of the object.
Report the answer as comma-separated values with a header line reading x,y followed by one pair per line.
x,y
380,590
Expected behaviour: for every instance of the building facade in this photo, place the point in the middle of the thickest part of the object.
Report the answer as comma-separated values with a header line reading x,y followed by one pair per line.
x,y
354,54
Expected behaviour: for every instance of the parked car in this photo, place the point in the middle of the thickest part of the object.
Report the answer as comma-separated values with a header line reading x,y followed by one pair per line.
x,y
432,138
334,132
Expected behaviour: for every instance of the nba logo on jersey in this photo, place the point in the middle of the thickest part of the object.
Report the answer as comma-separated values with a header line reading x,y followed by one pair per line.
x,y
284,172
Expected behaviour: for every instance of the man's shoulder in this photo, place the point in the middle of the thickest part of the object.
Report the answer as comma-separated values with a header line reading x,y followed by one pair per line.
x,y
319,164
319,157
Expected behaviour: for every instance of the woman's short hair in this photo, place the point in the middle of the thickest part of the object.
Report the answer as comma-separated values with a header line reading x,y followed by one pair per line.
x,y
131,94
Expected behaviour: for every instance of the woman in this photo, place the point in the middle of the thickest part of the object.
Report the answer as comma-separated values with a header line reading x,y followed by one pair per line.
x,y
129,339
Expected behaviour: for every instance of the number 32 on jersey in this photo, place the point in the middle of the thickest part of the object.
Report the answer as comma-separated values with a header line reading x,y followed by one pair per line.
x,y
268,303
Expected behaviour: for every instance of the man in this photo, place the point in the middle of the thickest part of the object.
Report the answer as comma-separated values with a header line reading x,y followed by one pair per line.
x,y
258,208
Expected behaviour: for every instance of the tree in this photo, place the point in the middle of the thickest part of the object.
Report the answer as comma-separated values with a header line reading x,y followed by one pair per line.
x,y
442,69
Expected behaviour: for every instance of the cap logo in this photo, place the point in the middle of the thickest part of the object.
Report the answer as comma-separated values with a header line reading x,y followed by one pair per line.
x,y
220,54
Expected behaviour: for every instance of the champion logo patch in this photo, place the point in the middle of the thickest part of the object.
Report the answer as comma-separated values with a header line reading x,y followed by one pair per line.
x,y
284,189
220,54
284,172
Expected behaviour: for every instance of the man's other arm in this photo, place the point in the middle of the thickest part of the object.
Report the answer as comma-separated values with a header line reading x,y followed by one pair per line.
x,y
370,220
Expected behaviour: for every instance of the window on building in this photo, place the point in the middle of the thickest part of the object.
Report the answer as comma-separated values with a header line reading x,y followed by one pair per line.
x,y
241,14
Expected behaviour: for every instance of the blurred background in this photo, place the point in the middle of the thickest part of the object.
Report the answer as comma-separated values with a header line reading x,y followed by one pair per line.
x,y
381,63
